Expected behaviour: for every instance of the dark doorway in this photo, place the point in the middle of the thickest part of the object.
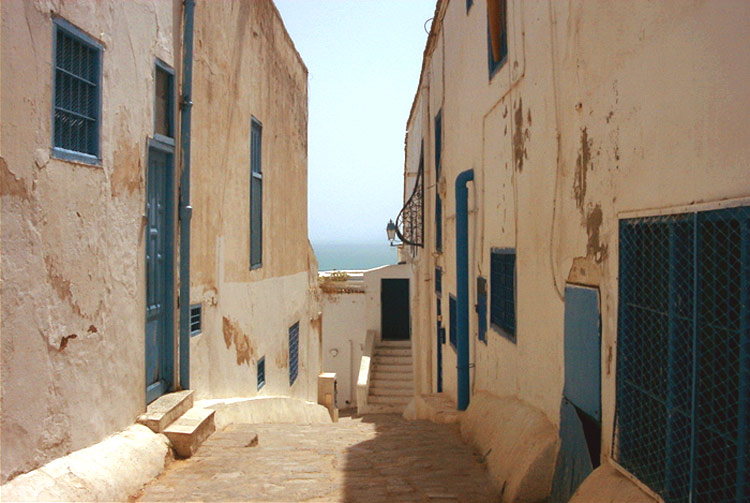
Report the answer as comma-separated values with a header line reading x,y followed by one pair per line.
x,y
394,309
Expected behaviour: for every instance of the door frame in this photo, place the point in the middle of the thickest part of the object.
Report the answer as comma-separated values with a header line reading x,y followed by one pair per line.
x,y
167,356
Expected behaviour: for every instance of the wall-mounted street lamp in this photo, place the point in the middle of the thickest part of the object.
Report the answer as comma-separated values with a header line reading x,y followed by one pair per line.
x,y
392,230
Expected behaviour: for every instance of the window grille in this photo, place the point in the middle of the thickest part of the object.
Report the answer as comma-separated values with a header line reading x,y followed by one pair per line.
x,y
293,352
497,34
438,281
163,100
683,360
76,84
452,328
256,195
261,372
196,314
438,166
503,292
482,309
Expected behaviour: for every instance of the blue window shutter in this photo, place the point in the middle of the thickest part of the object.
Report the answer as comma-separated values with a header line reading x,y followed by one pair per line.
x,y
482,309
438,281
256,195
453,321
293,353
503,292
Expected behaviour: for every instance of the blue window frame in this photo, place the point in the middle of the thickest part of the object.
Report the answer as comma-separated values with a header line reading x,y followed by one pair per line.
x,y
438,281
196,315
452,328
256,194
497,34
503,291
76,95
293,353
438,167
482,309
683,354
164,102
261,372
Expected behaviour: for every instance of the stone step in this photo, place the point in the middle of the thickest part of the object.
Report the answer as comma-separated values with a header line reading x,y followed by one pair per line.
x,y
392,383
376,391
392,360
393,345
393,352
166,409
396,369
391,376
189,431
383,409
388,400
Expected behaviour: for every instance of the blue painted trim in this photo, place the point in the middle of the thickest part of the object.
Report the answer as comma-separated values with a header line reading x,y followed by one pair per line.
x,y
186,209
494,66
499,329
440,341
462,285
452,321
199,330
469,3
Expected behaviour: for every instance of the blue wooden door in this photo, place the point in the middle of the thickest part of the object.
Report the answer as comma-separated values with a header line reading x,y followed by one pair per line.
x,y
159,358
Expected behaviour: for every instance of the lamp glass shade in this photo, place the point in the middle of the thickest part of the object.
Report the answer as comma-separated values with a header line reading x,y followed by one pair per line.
x,y
391,230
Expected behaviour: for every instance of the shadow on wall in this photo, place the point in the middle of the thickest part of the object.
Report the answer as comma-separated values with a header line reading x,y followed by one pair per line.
x,y
414,461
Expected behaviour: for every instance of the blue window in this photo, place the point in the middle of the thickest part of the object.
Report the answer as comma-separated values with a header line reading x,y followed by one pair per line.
x,y
438,166
438,281
76,94
256,195
469,3
261,372
497,34
164,101
482,309
503,292
196,314
293,353
452,328
683,354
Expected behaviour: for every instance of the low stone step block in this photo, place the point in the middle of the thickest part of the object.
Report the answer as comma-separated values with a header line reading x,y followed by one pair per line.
x,y
406,383
166,409
388,400
377,391
393,352
393,344
392,360
189,431
395,369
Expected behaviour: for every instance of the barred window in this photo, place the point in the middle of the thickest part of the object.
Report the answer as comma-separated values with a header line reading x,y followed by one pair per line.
x,y
503,292
453,321
683,354
293,353
77,94
256,194
261,372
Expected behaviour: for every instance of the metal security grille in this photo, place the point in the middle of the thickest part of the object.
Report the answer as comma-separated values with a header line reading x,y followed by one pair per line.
x,y
261,372
452,328
482,309
196,313
683,360
256,195
293,352
503,291
411,216
76,91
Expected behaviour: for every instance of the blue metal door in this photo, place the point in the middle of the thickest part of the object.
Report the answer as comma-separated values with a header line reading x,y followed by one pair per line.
x,y
159,358
580,410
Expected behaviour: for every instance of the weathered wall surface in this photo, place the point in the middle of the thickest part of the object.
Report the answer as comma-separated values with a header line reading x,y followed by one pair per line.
x,y
72,234
246,67
602,108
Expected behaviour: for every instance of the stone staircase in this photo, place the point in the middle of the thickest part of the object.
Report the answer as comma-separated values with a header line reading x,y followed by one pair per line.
x,y
392,379
185,426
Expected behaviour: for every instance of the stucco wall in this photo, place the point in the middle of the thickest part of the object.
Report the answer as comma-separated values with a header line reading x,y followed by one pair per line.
x,y
72,234
246,66
602,108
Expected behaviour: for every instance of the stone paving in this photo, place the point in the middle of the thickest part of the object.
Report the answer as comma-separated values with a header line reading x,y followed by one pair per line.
x,y
376,458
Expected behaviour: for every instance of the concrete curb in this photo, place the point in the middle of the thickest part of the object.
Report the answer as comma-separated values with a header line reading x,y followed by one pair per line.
x,y
112,470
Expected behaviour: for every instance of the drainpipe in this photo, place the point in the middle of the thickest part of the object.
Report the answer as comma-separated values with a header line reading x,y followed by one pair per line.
x,y
462,286
186,210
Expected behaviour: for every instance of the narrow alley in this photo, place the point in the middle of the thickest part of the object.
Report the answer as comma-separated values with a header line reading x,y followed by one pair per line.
x,y
373,458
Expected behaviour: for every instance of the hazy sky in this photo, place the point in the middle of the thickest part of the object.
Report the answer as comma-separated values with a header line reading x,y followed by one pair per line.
x,y
364,58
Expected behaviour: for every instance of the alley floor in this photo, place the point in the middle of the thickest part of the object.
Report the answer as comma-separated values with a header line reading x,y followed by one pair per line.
x,y
374,458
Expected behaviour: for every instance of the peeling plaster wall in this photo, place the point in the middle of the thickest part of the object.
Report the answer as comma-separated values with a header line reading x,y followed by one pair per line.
x,y
246,66
72,255
602,108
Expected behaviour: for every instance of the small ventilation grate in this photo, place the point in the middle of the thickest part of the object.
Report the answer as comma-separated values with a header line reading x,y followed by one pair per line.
x,y
261,372
196,315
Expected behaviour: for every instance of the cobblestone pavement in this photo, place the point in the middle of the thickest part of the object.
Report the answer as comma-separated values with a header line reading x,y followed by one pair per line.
x,y
377,458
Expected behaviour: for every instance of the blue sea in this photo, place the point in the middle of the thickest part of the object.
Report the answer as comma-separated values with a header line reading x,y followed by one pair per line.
x,y
354,255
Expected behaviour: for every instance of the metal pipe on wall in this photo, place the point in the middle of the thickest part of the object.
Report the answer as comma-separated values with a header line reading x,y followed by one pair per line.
x,y
186,210
462,286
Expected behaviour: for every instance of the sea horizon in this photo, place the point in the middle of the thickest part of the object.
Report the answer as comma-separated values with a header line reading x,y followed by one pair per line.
x,y
354,255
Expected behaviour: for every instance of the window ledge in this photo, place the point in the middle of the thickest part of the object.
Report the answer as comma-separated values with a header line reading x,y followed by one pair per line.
x,y
76,157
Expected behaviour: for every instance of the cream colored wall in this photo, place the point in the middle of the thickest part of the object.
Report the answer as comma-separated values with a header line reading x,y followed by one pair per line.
x,y
246,66
650,105
73,278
